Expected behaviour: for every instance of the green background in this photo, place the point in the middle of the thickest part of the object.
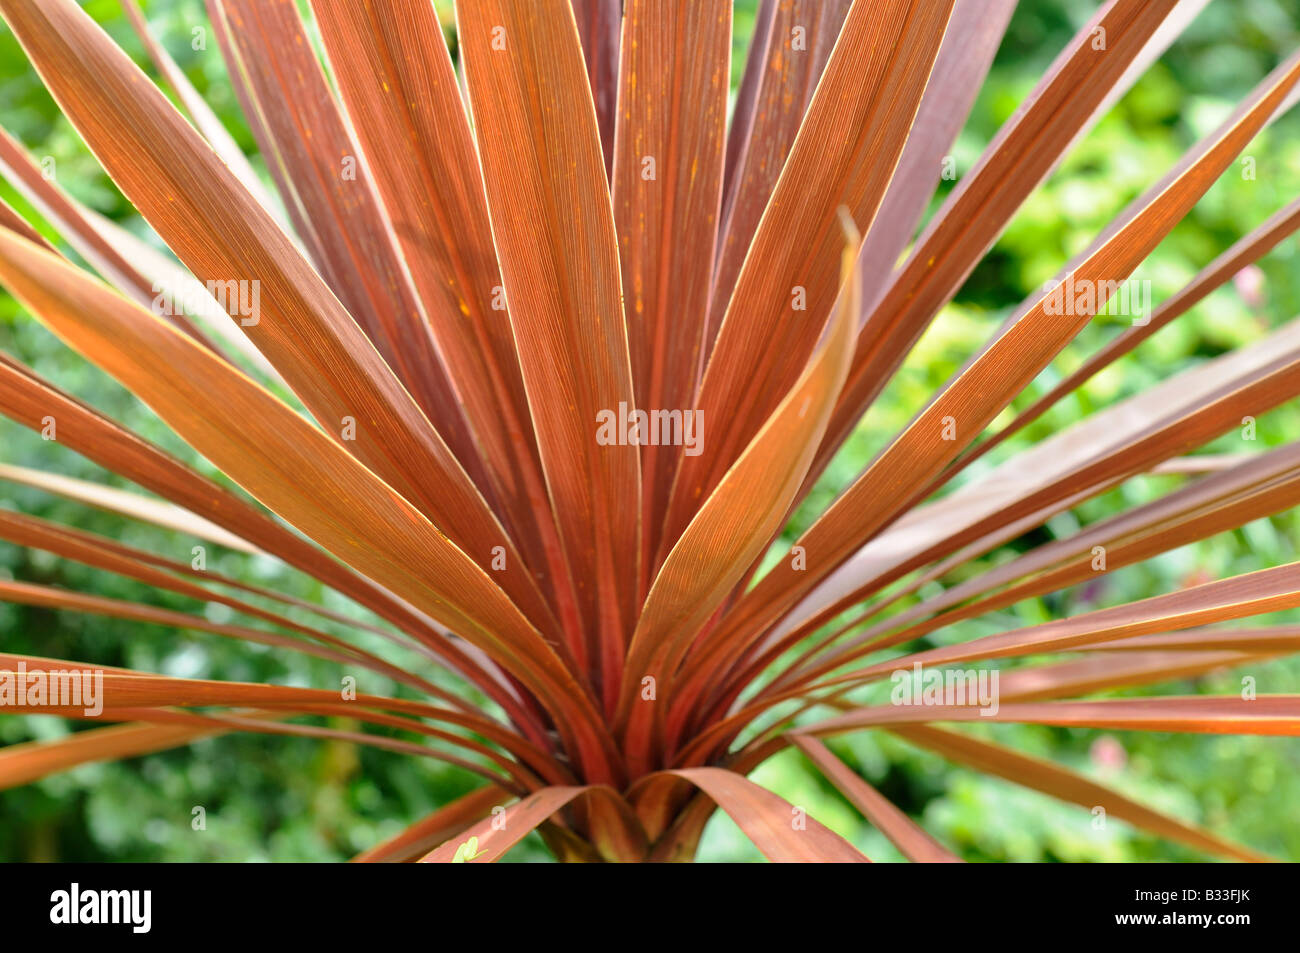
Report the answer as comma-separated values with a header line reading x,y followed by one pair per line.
x,y
270,798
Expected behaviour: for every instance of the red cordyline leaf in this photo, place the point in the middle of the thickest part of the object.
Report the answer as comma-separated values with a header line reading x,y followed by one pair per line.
x,y
202,507
975,396
33,760
785,834
1241,596
1068,786
396,79
416,840
667,180
778,86
1097,455
1258,487
598,26
1024,151
21,171
255,446
554,232
200,112
734,523
844,155
173,177
334,204
488,840
27,594
909,838
1265,715
496,300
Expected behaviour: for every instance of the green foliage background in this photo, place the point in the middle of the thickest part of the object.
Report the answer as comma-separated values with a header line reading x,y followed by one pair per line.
x,y
270,798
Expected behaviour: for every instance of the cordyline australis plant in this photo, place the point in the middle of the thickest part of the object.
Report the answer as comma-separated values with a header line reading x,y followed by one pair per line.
x,y
539,367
